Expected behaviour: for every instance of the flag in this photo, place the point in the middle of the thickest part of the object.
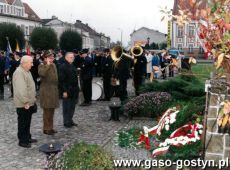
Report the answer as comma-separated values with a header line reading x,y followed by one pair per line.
x,y
17,47
8,51
28,52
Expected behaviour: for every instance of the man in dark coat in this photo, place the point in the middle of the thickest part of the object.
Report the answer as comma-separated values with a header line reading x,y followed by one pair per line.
x,y
139,71
34,69
106,67
70,89
2,72
86,77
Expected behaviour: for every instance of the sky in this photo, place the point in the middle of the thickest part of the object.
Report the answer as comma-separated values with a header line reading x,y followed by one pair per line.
x,y
111,17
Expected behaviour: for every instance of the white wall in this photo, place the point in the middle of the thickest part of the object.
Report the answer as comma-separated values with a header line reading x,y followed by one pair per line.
x,y
143,34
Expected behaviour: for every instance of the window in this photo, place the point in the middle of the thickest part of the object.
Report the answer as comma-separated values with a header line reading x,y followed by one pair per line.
x,y
179,46
31,28
179,31
201,50
27,31
190,48
8,9
1,9
18,12
191,31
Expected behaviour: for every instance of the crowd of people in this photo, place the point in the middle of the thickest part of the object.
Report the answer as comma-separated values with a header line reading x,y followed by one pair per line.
x,y
60,74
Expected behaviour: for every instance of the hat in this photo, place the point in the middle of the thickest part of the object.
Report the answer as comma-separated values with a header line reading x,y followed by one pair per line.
x,y
47,53
75,51
106,50
18,53
84,50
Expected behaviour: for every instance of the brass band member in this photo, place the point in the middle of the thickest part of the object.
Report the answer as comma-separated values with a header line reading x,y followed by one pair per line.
x,y
86,76
106,68
139,71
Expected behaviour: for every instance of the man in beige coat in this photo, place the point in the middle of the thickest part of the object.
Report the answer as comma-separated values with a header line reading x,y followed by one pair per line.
x,y
49,96
24,99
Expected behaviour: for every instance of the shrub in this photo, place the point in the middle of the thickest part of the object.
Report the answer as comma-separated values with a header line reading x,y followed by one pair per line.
x,y
148,104
183,87
70,40
43,38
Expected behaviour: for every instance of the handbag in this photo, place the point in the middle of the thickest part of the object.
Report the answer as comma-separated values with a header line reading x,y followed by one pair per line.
x,y
34,108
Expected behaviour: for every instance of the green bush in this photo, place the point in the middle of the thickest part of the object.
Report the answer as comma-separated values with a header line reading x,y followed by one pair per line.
x,y
14,33
43,38
183,87
70,40
147,105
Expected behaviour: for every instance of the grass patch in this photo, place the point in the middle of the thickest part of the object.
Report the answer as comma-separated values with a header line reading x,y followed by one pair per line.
x,y
202,71
84,156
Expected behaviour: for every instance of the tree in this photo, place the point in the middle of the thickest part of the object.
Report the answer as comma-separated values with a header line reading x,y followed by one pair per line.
x,y
154,46
70,40
14,34
162,46
43,38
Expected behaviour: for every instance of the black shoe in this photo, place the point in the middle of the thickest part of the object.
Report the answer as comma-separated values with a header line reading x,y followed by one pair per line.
x,y
74,124
33,140
85,104
25,145
67,125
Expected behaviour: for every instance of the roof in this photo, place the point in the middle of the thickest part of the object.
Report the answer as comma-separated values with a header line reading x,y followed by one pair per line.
x,y
148,29
189,8
45,21
31,14
86,28
10,1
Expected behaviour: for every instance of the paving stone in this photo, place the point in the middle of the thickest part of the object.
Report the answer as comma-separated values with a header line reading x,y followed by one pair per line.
x,y
93,127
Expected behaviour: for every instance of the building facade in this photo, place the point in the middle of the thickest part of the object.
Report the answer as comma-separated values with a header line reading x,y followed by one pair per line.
x,y
99,40
19,13
142,35
185,37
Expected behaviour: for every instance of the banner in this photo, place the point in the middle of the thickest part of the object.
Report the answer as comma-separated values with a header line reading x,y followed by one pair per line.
x,y
169,35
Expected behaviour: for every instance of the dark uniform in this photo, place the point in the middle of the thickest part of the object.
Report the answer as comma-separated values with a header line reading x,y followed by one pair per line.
x,y
34,71
86,77
122,73
106,68
69,84
139,72
2,72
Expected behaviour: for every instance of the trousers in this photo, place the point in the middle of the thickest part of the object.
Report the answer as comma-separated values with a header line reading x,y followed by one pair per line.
x,y
48,114
68,110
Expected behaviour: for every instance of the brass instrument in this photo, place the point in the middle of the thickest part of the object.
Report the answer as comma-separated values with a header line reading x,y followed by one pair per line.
x,y
117,54
137,50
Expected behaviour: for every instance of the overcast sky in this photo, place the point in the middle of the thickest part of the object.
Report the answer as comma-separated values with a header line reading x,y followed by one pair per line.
x,y
107,16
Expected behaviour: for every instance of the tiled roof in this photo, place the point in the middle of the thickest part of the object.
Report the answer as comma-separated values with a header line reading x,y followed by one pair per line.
x,y
185,5
31,14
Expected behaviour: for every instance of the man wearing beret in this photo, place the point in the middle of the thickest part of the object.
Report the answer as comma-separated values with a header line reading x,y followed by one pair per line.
x,y
86,76
107,69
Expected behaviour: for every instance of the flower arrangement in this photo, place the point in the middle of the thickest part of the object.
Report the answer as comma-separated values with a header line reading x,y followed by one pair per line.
x,y
150,104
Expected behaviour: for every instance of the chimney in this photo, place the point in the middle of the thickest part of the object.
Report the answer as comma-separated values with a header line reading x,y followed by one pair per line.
x,y
54,17
78,21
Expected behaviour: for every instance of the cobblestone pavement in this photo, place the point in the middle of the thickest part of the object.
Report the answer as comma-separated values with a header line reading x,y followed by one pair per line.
x,y
93,128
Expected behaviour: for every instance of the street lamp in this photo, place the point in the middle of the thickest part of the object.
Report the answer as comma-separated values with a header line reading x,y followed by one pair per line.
x,y
121,34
